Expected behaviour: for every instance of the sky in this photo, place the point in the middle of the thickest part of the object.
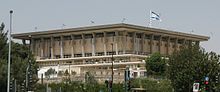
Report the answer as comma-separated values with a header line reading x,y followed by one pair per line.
x,y
188,16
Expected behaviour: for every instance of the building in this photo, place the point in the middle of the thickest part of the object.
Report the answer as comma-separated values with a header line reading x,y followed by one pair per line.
x,y
90,49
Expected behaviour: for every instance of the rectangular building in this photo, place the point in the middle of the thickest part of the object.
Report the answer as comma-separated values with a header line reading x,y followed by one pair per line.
x,y
90,49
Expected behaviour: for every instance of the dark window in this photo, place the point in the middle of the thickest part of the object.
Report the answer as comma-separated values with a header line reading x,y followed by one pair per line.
x,y
110,34
67,37
157,38
88,54
78,37
164,39
87,36
99,53
77,55
138,35
147,36
56,38
99,35
67,56
130,34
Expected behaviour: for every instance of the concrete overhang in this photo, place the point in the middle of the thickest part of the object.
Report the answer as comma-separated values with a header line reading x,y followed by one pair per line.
x,y
27,36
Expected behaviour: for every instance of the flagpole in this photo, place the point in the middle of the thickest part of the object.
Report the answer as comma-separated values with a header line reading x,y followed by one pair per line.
x,y
9,51
150,20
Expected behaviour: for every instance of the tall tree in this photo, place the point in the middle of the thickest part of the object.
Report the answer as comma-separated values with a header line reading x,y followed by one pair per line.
x,y
19,61
3,58
3,42
191,65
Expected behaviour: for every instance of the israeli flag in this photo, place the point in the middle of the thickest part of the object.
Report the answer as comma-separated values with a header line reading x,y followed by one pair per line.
x,y
154,16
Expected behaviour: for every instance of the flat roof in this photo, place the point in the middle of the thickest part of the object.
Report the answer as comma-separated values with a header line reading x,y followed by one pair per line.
x,y
109,26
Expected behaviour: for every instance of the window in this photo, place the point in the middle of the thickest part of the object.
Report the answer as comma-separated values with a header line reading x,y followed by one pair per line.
x,y
99,35
77,55
88,54
87,36
67,38
78,37
67,56
56,38
110,34
99,53
138,35
147,36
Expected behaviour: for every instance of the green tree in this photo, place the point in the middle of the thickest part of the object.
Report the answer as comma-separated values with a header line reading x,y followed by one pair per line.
x,y
20,56
3,42
152,85
3,58
50,72
155,64
192,64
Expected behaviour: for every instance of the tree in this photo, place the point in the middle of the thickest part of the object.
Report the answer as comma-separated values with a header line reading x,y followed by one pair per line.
x,y
192,64
66,73
3,42
50,72
155,64
20,56
152,85
3,62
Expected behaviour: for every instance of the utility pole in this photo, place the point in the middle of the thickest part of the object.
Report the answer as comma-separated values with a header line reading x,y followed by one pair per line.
x,y
9,51
112,69
127,79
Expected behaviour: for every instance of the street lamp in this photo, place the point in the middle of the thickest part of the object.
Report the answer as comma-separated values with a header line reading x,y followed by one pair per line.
x,y
9,51
112,68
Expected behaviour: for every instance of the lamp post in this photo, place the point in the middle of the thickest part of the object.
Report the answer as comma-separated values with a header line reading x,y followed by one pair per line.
x,y
112,68
9,51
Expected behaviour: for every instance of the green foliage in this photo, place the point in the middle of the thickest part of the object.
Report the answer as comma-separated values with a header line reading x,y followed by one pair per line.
x,y
20,55
3,42
77,86
191,64
50,72
155,64
152,85
66,73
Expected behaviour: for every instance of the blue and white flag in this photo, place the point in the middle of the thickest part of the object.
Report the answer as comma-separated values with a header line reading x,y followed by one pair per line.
x,y
154,16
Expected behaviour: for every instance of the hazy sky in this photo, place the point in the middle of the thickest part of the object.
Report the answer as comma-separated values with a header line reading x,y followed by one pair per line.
x,y
189,16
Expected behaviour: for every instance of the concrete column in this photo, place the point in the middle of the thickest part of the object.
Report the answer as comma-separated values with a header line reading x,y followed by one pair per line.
x,y
32,44
197,43
24,41
61,46
93,44
176,44
151,43
116,42
142,43
51,47
124,41
82,44
42,48
134,43
104,43
168,45
72,46
190,44
184,43
160,43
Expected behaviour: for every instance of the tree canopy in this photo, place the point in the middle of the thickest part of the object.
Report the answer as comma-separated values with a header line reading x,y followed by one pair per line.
x,y
20,56
191,65
155,64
